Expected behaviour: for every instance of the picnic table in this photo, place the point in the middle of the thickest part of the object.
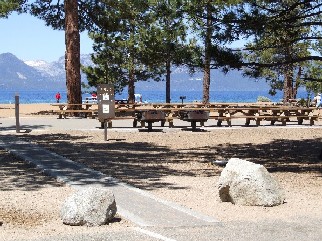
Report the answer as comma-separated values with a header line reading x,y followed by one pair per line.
x,y
197,112
270,113
87,109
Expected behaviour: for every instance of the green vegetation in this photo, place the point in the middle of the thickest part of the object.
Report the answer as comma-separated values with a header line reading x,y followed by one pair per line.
x,y
8,6
284,33
263,99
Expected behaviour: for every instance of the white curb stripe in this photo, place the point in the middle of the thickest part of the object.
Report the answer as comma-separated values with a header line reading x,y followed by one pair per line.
x,y
153,234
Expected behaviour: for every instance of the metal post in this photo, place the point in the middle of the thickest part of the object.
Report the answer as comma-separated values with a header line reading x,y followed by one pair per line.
x,y
17,112
105,130
182,98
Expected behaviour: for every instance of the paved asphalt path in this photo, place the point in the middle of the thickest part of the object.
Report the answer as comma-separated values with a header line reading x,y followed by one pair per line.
x,y
37,123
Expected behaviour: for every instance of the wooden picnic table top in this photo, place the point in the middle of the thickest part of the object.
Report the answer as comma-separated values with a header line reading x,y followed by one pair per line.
x,y
198,107
64,104
277,108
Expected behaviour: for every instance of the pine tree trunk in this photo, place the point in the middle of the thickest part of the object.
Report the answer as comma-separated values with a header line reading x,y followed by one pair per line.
x,y
288,84
206,76
206,83
131,87
297,82
167,83
72,55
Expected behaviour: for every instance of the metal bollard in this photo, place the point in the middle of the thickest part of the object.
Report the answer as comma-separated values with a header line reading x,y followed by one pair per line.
x,y
17,112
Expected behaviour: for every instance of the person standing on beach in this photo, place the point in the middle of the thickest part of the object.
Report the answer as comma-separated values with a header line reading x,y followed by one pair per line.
x,y
94,94
317,100
58,97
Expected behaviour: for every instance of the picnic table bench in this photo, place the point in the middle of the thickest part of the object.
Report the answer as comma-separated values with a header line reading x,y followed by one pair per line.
x,y
85,109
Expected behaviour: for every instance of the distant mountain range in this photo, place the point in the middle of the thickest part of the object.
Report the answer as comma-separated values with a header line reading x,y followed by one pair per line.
x,y
16,75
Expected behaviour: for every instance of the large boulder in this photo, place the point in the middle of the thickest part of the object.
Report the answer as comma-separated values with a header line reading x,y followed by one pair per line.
x,y
246,183
89,206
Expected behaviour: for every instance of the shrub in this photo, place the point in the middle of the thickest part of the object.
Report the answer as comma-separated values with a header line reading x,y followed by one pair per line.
x,y
263,99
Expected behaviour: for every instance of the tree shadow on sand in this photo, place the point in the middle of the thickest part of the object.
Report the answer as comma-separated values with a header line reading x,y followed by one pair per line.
x,y
277,156
15,174
24,128
140,164
144,165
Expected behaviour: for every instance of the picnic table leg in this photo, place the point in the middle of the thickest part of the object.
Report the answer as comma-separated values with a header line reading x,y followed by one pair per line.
x,y
193,125
220,115
109,124
149,126
170,120
247,122
135,123
229,122
299,120
61,113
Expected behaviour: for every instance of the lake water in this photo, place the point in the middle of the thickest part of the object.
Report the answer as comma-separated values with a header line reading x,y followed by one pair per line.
x,y
28,97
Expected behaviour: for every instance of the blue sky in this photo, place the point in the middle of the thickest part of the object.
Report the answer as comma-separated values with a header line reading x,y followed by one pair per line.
x,y
29,38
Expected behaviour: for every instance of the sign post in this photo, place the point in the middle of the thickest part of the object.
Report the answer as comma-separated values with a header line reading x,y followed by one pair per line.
x,y
182,98
106,104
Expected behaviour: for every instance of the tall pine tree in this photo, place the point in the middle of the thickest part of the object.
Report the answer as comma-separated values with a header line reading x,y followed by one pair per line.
x,y
72,16
207,20
166,39
119,45
283,34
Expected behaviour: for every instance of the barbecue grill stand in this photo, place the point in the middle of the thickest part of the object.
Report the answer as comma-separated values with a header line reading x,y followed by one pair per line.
x,y
150,116
194,116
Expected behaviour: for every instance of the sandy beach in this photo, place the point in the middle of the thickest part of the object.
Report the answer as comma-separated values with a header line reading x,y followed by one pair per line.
x,y
176,166
8,110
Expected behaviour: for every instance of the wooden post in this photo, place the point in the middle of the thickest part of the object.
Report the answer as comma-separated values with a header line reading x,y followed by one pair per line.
x,y
17,112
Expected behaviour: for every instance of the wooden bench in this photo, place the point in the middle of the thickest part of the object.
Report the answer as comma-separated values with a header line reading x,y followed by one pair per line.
x,y
64,113
135,121
285,119
272,118
110,121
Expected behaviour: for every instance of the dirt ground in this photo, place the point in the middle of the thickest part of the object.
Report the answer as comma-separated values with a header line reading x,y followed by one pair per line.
x,y
175,166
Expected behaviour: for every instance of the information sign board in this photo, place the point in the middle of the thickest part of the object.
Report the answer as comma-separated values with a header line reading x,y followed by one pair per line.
x,y
105,101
